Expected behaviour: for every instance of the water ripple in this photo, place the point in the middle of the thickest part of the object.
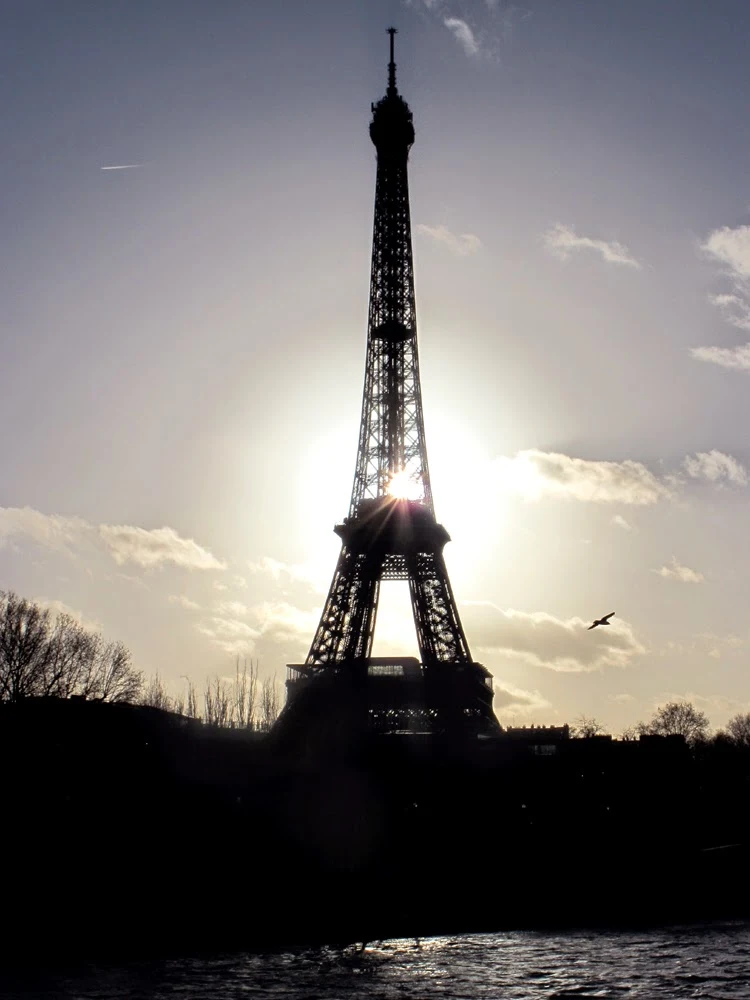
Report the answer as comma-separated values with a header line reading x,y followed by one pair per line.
x,y
709,962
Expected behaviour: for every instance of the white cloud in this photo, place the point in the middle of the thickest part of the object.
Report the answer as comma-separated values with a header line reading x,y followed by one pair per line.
x,y
279,630
731,641
513,700
498,20
619,522
125,543
730,248
726,357
231,635
716,467
462,244
463,35
183,602
622,699
734,309
562,240
155,547
49,530
535,474
231,608
542,640
60,608
676,571
283,622
286,573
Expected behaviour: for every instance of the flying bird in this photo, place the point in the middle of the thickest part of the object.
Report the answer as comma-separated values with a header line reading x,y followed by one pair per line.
x,y
601,621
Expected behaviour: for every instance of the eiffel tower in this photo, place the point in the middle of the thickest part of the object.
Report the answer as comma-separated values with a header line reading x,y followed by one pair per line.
x,y
391,532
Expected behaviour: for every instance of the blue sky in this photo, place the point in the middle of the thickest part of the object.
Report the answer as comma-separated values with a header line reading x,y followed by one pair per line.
x,y
183,340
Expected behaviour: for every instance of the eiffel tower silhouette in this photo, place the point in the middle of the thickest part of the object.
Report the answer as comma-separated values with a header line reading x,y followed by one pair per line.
x,y
391,532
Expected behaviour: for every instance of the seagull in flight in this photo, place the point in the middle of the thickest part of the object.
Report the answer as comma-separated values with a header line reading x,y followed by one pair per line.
x,y
601,621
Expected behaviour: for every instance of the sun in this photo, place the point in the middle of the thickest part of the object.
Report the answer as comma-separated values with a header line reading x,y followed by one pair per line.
x,y
403,486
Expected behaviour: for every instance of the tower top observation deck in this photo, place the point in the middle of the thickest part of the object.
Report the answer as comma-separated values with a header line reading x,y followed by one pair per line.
x,y
391,129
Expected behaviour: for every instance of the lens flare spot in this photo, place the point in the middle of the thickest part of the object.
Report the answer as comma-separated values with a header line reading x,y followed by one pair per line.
x,y
405,487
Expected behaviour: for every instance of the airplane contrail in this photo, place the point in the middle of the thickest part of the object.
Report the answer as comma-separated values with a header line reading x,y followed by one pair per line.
x,y
123,166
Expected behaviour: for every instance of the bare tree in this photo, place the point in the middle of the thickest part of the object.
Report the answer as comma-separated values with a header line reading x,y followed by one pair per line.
x,y
218,703
269,703
245,694
192,702
738,729
114,677
69,651
24,647
677,718
60,658
155,695
629,734
586,726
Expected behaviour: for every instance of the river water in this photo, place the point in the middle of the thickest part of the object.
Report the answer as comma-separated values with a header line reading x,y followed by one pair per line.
x,y
706,961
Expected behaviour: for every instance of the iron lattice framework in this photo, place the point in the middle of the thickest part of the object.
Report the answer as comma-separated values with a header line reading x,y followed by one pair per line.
x,y
391,532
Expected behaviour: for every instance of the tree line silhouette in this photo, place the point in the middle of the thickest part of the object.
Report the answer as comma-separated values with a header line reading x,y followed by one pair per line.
x,y
42,655
244,701
46,656
675,718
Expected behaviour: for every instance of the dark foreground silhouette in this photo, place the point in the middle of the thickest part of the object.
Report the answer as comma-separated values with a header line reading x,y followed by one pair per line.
x,y
131,831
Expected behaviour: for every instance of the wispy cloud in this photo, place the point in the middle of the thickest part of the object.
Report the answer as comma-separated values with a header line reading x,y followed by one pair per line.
x,y
726,357
622,699
184,602
155,547
676,571
52,531
286,573
734,309
492,22
231,635
513,700
563,240
123,166
280,630
533,475
730,249
542,640
231,608
619,522
125,543
715,467
61,608
463,35
462,244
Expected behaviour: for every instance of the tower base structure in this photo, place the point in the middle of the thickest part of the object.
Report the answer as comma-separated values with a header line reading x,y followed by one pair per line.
x,y
386,696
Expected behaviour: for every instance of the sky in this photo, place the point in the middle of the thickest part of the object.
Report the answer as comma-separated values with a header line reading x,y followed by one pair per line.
x,y
186,202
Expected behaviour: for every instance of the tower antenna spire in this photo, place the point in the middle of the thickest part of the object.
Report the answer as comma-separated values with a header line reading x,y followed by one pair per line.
x,y
392,64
